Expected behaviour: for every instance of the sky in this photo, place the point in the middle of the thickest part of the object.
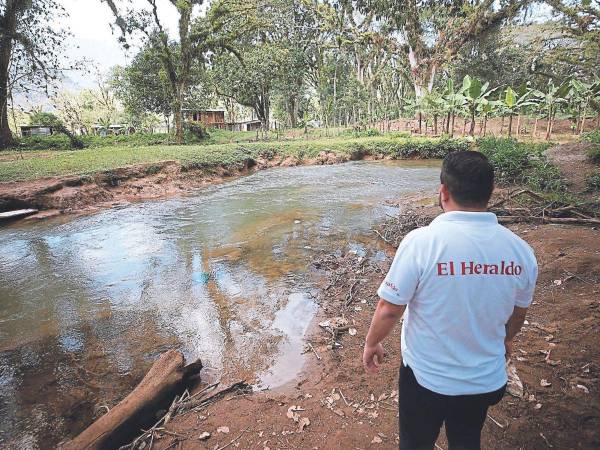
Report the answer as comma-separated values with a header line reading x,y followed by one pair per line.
x,y
89,21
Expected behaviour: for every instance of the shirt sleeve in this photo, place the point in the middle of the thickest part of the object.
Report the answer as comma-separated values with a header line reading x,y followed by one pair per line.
x,y
524,296
401,281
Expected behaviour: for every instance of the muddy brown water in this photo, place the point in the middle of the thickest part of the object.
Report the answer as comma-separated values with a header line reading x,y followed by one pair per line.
x,y
87,303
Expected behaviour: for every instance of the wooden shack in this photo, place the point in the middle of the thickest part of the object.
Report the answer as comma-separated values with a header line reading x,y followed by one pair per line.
x,y
211,118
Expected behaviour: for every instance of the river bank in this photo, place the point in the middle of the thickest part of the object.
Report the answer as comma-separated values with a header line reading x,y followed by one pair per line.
x,y
347,408
93,179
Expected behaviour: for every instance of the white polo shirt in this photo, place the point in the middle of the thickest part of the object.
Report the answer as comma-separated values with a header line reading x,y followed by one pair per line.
x,y
460,278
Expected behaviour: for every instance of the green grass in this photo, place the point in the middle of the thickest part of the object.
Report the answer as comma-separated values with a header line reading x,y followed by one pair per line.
x,y
61,142
522,163
38,164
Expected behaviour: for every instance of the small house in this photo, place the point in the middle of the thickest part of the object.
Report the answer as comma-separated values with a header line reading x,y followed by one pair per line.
x,y
37,130
210,118
246,125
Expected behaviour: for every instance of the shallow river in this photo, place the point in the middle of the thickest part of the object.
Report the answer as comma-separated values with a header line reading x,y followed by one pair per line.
x,y
87,303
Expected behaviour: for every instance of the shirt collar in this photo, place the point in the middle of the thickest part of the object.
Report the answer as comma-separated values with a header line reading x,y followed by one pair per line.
x,y
467,216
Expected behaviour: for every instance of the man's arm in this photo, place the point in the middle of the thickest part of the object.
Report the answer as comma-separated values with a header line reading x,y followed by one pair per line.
x,y
513,326
385,318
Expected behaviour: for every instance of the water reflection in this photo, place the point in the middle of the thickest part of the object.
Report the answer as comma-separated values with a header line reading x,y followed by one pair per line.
x,y
88,303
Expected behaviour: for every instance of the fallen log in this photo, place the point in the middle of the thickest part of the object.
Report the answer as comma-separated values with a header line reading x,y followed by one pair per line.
x,y
167,377
565,220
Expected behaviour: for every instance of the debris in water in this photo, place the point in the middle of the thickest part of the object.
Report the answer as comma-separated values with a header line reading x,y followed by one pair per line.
x,y
204,436
583,388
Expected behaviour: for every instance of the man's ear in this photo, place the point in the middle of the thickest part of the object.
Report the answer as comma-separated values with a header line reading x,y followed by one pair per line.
x,y
444,193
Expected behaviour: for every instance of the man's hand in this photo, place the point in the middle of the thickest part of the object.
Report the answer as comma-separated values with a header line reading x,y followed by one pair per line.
x,y
385,317
372,357
508,346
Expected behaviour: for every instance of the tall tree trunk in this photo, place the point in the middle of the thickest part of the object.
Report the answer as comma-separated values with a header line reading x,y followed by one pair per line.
x,y
535,125
452,125
510,119
435,124
485,119
178,119
501,125
518,125
9,27
448,123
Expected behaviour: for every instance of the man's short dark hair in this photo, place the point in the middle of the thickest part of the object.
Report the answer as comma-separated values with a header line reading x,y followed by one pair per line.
x,y
469,177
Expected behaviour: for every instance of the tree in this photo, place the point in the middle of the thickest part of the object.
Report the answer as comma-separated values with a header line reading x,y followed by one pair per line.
x,y
251,83
178,59
434,32
143,87
513,102
551,100
30,52
576,49
475,93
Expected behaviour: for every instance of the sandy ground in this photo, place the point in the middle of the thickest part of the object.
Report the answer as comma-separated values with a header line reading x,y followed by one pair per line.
x,y
348,408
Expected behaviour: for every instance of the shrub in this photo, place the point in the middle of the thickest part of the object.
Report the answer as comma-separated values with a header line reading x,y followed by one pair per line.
x,y
509,158
520,162
544,176
592,136
592,182
593,154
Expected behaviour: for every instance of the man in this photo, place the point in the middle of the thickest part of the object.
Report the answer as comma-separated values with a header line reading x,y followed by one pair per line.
x,y
466,283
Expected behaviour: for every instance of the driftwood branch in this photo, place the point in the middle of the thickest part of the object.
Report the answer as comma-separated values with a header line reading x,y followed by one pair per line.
x,y
167,376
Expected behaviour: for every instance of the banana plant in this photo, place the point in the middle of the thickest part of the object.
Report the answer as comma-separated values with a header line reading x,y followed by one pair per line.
x,y
474,93
513,102
486,108
453,103
551,100
434,107
582,95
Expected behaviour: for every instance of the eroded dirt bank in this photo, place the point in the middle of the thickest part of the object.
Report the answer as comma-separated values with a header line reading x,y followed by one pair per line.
x,y
83,193
349,409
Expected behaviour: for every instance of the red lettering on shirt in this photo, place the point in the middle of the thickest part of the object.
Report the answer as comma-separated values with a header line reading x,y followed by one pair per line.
x,y
509,268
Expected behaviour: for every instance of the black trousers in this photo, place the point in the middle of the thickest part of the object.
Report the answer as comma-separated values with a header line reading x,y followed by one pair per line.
x,y
422,413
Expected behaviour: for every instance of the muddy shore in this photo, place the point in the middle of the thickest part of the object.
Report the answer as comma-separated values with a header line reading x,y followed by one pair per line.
x,y
349,409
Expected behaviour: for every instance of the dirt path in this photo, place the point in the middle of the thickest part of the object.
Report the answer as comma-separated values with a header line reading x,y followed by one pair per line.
x,y
349,409
572,161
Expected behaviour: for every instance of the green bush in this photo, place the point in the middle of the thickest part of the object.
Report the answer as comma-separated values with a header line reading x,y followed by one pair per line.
x,y
592,136
592,182
544,176
593,154
509,158
521,162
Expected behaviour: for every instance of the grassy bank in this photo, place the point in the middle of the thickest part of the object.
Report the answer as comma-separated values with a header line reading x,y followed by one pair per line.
x,y
38,164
